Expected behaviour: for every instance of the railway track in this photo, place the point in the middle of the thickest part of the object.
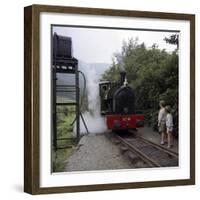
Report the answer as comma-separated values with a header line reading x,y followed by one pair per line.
x,y
152,154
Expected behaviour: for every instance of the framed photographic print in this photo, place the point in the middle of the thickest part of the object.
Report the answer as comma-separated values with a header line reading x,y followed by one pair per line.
x,y
109,99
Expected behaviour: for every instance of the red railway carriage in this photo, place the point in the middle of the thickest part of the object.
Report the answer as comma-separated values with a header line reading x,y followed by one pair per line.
x,y
118,105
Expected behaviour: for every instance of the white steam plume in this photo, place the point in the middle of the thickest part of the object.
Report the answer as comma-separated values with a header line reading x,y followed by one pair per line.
x,y
94,121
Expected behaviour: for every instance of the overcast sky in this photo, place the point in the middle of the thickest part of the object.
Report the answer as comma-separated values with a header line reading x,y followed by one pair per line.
x,y
98,45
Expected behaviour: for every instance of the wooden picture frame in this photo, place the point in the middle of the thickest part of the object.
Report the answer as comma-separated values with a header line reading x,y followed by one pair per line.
x,y
32,97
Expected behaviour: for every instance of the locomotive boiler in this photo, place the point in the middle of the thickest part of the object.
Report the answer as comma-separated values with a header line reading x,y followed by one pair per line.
x,y
118,105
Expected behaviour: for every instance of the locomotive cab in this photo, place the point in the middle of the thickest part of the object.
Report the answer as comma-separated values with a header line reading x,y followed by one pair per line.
x,y
104,87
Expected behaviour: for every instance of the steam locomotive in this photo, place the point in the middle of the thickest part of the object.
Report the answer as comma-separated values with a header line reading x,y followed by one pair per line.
x,y
118,105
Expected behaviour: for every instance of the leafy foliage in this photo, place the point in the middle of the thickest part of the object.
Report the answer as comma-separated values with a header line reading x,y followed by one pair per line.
x,y
153,74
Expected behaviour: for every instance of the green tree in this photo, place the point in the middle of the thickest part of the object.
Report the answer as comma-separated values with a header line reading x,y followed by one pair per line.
x,y
173,39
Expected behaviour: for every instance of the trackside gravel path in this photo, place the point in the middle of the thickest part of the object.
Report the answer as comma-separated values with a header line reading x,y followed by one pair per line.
x,y
97,152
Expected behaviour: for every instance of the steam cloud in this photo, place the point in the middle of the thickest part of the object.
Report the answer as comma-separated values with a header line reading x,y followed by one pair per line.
x,y
94,121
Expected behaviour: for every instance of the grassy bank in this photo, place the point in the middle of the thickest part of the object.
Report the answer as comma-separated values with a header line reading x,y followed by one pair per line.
x,y
66,140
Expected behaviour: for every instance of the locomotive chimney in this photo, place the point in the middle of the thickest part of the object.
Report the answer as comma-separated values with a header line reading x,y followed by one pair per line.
x,y
122,77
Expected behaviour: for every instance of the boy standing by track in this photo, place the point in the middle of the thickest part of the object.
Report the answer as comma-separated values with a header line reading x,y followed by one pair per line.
x,y
162,121
169,126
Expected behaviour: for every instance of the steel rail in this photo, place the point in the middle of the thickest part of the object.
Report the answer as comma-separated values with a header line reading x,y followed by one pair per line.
x,y
168,151
144,157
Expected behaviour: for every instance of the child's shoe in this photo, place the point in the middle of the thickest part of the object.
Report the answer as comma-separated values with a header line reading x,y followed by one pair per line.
x,y
162,142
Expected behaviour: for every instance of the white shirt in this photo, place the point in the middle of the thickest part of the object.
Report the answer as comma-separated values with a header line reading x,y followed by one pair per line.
x,y
169,121
162,116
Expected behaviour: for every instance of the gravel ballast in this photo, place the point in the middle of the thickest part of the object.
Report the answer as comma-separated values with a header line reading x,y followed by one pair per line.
x,y
97,152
